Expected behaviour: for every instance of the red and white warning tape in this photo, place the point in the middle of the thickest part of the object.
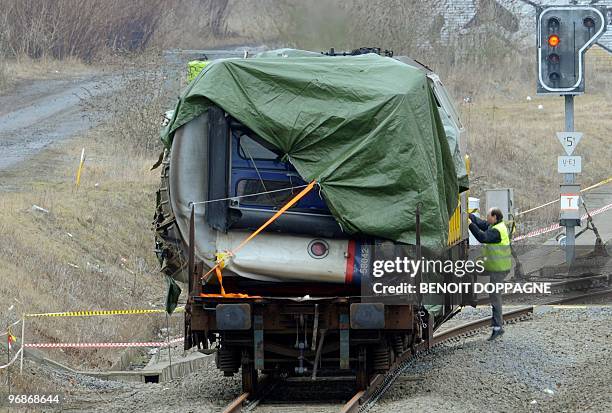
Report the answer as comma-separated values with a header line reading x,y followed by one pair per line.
x,y
598,184
555,227
105,345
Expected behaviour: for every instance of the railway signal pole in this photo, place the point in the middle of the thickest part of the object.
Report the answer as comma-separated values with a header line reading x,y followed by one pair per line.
x,y
564,34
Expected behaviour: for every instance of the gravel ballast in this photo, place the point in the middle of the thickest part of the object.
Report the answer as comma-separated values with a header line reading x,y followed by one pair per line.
x,y
557,362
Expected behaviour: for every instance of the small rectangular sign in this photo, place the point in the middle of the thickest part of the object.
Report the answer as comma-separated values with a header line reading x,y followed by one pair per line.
x,y
569,164
570,202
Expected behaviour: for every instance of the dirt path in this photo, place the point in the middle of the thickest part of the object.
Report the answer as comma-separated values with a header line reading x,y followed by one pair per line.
x,y
41,112
38,113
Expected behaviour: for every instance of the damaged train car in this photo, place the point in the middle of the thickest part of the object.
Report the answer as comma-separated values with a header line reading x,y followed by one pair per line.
x,y
284,177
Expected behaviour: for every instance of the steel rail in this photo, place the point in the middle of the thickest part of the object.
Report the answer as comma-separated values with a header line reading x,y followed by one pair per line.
x,y
236,404
246,401
592,294
558,287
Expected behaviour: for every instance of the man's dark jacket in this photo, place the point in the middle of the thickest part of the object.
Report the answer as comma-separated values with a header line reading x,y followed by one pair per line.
x,y
483,232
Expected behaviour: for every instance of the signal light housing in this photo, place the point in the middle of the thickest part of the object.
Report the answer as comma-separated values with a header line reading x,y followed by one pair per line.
x,y
564,35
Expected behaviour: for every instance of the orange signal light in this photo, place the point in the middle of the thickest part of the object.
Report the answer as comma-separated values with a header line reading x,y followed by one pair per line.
x,y
553,40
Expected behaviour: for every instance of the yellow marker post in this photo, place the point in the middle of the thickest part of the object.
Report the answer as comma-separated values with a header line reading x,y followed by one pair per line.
x,y
22,343
81,163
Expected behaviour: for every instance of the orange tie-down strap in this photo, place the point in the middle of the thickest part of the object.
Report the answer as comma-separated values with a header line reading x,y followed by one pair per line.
x,y
223,256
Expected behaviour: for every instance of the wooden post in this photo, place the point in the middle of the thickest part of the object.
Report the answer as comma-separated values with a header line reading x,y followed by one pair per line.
x,y
8,358
80,168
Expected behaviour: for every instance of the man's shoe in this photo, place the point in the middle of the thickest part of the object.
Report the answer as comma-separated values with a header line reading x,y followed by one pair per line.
x,y
495,334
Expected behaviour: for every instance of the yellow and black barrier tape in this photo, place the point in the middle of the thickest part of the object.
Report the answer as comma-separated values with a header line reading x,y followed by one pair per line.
x,y
93,313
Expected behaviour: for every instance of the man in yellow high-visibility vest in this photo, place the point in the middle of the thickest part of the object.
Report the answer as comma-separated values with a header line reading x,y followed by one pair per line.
x,y
494,236
194,67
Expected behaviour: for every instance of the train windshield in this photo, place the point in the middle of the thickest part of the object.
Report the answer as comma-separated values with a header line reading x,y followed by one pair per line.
x,y
260,180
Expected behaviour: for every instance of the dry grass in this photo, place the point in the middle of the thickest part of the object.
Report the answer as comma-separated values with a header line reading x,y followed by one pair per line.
x,y
94,247
198,24
136,111
513,144
23,68
92,250
5,76
76,28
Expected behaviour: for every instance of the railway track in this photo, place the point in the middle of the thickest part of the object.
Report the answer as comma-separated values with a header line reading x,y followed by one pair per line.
x,y
363,400
379,383
582,297
561,287
283,395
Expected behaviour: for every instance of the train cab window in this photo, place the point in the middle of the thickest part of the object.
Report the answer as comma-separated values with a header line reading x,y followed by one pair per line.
x,y
250,148
255,186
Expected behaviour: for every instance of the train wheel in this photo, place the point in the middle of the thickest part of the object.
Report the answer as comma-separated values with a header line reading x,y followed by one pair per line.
x,y
381,357
363,378
249,377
